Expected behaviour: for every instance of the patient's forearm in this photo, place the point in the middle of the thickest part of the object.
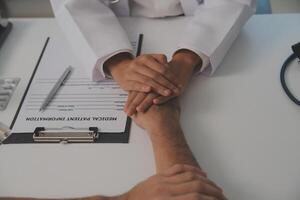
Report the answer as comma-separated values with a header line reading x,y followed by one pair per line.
x,y
170,148
85,198
122,197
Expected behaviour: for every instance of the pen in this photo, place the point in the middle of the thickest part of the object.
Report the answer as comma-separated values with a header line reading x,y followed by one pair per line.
x,y
55,88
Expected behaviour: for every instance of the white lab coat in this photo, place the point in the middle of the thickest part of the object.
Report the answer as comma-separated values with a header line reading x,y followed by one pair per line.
x,y
95,34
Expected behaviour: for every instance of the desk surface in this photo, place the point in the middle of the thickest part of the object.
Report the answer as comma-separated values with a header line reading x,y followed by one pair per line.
x,y
242,128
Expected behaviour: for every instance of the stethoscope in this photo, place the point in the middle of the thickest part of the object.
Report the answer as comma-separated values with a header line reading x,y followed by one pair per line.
x,y
287,62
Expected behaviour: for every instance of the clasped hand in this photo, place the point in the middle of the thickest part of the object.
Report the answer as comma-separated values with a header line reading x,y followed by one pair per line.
x,y
151,79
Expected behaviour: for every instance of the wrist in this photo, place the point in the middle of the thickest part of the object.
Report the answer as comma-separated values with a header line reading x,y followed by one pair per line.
x,y
164,131
112,65
187,59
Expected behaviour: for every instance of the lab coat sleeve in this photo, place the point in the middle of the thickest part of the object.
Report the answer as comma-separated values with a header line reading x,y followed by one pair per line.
x,y
93,32
214,27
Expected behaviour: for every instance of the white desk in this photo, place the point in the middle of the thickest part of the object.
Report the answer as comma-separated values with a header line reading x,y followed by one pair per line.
x,y
242,128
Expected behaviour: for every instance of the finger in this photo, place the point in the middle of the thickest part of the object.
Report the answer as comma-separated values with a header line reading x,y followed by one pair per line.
x,y
162,69
159,78
154,85
147,102
135,102
161,99
130,98
180,168
198,186
193,196
187,177
161,58
191,176
136,86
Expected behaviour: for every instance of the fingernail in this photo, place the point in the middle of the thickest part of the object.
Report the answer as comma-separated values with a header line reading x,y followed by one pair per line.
x,y
155,101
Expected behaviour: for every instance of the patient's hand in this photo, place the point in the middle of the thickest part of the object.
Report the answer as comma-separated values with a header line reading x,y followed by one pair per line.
x,y
159,117
181,182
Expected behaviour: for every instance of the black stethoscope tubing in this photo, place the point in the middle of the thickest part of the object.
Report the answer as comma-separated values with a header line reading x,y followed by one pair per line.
x,y
283,81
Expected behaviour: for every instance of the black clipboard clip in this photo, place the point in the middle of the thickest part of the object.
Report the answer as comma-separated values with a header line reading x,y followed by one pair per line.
x,y
4,31
65,135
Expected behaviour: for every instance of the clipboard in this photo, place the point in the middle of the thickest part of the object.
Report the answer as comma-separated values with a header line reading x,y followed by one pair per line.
x,y
66,134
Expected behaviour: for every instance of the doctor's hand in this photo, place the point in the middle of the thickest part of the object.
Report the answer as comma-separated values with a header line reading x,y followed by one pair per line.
x,y
183,64
144,74
180,182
